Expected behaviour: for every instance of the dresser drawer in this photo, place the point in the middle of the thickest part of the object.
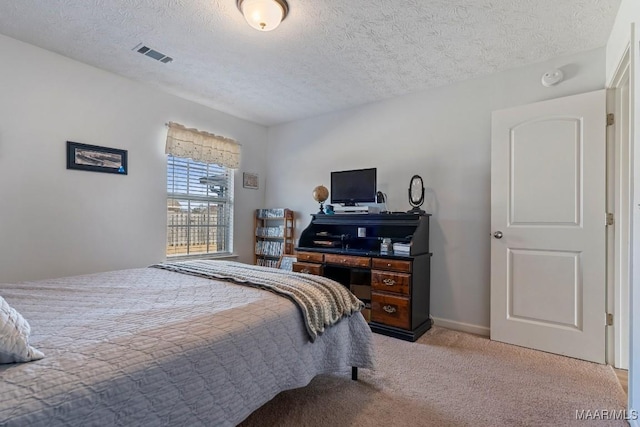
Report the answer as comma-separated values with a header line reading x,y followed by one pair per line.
x,y
390,310
386,281
351,261
309,256
391,264
307,267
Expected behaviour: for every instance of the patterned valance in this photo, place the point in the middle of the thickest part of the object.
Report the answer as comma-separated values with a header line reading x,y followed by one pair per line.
x,y
202,146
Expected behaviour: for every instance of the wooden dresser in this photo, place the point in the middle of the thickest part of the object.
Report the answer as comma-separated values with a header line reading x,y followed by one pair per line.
x,y
394,286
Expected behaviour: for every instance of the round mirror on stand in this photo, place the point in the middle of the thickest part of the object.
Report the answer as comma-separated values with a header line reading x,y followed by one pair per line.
x,y
416,194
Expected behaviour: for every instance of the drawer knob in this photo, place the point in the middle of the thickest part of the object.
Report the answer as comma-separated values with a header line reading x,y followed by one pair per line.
x,y
389,309
389,282
305,270
388,264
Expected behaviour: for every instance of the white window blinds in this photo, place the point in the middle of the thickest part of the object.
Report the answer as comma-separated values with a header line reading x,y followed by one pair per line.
x,y
199,207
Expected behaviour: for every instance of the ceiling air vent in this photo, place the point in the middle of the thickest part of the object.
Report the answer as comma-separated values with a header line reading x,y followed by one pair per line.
x,y
147,51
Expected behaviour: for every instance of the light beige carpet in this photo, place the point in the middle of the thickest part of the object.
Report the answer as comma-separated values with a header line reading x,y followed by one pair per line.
x,y
450,378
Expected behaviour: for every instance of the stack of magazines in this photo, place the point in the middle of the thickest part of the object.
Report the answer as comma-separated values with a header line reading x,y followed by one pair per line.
x,y
270,231
269,248
271,213
402,248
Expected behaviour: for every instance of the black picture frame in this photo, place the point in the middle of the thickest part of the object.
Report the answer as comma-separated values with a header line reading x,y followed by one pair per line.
x,y
96,159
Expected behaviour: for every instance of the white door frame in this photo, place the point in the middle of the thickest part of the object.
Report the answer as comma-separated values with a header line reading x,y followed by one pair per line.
x,y
618,203
634,288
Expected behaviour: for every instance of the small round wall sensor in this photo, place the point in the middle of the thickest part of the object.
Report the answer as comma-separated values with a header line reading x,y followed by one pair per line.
x,y
552,77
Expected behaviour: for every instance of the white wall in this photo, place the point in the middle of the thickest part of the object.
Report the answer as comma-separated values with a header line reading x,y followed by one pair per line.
x,y
618,42
56,222
634,288
441,134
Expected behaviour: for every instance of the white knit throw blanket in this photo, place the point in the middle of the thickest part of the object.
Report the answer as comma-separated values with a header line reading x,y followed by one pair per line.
x,y
322,301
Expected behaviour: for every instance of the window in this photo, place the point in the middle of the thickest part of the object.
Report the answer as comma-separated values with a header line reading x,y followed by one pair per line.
x,y
199,207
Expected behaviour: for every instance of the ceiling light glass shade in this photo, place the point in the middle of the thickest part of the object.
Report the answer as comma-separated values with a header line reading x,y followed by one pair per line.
x,y
263,15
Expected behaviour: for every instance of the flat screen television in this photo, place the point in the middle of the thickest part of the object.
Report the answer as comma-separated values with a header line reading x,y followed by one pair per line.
x,y
353,186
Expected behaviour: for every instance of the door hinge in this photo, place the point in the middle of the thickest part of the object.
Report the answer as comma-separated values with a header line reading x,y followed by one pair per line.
x,y
609,319
610,219
610,119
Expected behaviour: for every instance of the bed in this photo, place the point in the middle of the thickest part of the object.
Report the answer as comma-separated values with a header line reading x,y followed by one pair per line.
x,y
150,346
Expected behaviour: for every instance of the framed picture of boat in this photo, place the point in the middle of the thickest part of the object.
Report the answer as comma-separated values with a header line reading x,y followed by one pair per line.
x,y
96,159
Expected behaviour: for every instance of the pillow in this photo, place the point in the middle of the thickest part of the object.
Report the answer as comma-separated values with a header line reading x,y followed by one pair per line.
x,y
14,337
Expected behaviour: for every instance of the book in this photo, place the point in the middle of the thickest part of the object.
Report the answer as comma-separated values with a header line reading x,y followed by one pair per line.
x,y
402,246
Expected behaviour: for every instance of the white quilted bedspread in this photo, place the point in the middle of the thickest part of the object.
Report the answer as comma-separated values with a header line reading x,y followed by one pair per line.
x,y
157,348
322,301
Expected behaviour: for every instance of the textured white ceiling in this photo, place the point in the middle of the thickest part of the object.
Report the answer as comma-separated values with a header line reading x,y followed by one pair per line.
x,y
326,55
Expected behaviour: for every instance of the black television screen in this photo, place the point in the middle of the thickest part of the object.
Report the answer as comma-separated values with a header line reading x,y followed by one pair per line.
x,y
353,186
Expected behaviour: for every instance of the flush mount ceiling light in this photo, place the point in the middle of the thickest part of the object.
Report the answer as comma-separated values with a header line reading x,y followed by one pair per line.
x,y
263,15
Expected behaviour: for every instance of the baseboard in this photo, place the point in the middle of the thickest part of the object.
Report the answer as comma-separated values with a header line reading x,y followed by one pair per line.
x,y
462,327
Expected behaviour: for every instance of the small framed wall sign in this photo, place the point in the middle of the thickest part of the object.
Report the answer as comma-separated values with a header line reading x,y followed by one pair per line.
x,y
250,180
96,159
286,262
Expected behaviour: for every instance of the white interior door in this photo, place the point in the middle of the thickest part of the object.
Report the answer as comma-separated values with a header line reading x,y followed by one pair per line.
x,y
548,247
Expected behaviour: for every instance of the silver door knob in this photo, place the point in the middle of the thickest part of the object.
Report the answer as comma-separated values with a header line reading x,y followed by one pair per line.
x,y
498,234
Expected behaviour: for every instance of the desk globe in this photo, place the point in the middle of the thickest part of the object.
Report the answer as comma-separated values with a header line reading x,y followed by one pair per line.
x,y
320,195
